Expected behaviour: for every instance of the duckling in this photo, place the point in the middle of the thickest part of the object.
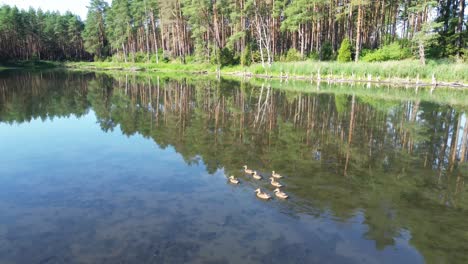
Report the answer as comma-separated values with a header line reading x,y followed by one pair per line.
x,y
256,176
275,183
280,194
248,171
262,195
276,175
233,180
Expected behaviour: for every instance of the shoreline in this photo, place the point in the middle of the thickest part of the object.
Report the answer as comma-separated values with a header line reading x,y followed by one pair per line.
x,y
255,71
339,78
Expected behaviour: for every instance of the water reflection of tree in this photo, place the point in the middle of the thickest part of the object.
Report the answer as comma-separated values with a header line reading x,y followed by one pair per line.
x,y
25,96
400,156
405,161
388,137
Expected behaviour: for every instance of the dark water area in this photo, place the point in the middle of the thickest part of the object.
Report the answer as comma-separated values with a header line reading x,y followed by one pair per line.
x,y
97,168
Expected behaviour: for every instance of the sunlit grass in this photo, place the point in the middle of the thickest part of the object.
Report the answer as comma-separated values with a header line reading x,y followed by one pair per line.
x,y
406,69
384,70
144,66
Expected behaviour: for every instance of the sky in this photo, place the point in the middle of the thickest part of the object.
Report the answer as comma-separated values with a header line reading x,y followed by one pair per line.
x,y
75,6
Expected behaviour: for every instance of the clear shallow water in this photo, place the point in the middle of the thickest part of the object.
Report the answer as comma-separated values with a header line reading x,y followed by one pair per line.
x,y
131,169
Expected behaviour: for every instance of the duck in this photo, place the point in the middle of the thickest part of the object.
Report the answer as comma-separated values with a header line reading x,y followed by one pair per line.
x,y
280,194
248,171
275,183
233,180
276,175
256,176
262,195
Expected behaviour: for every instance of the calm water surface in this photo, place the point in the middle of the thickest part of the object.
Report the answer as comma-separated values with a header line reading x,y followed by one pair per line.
x,y
132,169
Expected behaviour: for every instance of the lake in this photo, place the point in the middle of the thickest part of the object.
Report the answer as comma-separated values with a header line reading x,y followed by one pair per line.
x,y
116,168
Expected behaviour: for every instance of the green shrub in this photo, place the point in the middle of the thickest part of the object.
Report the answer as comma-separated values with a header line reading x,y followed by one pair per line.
x,y
256,56
314,56
227,57
190,59
344,53
388,52
464,54
257,69
166,57
141,57
153,58
293,55
326,51
246,58
117,57
364,52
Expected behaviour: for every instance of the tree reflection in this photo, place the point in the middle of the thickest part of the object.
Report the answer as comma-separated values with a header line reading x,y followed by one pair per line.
x,y
404,160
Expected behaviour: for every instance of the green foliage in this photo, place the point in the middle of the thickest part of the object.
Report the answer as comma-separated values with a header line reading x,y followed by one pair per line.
x,y
344,53
444,71
94,35
297,13
451,35
118,28
256,56
326,52
427,40
165,57
464,54
314,56
246,57
227,57
141,57
35,35
153,58
341,102
190,59
388,52
203,28
293,55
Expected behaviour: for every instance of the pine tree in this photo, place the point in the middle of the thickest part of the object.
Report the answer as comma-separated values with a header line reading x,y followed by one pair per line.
x,y
344,53
118,26
94,35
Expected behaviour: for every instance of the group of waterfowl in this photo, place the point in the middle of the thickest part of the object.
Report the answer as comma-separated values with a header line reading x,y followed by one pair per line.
x,y
260,194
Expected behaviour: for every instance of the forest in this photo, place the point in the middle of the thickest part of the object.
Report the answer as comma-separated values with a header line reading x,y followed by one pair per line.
x,y
231,32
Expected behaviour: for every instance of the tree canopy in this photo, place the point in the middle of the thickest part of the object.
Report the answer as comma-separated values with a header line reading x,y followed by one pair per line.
x,y
34,34
144,30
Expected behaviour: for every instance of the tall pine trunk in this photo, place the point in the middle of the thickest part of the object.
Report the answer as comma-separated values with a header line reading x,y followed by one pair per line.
x,y
461,17
359,32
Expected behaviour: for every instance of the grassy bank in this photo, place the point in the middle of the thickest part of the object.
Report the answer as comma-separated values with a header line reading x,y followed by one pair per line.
x,y
30,64
142,66
444,71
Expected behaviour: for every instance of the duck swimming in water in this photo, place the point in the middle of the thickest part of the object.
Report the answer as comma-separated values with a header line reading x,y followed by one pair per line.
x,y
248,171
276,175
256,176
280,194
275,183
233,180
262,195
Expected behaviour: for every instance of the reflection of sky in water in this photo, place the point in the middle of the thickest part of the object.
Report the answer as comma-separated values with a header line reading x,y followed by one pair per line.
x,y
70,193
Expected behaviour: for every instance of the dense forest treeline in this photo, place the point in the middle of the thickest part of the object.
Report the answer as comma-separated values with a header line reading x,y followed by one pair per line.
x,y
34,34
239,31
